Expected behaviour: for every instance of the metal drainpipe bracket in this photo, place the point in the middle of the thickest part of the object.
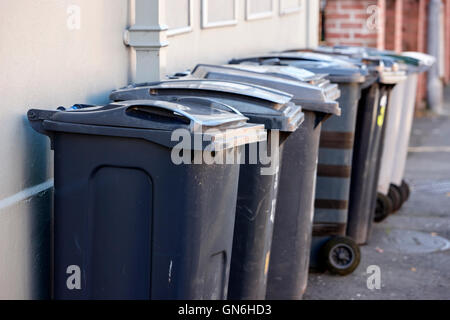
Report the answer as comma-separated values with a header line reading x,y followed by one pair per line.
x,y
146,37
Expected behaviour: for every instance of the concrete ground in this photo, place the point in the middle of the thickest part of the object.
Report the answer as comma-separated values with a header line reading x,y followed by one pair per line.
x,y
410,247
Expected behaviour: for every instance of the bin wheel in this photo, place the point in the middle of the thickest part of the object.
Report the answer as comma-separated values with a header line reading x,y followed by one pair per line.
x,y
341,255
406,190
396,198
384,207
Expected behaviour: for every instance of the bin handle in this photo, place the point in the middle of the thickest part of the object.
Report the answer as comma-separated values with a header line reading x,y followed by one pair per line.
x,y
177,109
218,103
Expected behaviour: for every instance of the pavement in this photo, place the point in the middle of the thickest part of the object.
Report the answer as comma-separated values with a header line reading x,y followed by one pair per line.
x,y
411,248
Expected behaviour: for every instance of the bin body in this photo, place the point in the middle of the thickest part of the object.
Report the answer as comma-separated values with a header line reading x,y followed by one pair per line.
x,y
129,223
334,172
291,243
417,63
140,227
399,122
368,146
392,132
409,99
253,229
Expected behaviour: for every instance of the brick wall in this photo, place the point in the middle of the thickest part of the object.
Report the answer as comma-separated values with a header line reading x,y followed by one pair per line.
x,y
404,28
389,40
410,25
346,23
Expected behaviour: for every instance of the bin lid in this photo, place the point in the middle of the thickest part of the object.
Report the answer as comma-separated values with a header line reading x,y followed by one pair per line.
x,y
263,105
416,61
281,71
425,60
310,97
153,120
384,68
412,64
291,73
216,86
338,70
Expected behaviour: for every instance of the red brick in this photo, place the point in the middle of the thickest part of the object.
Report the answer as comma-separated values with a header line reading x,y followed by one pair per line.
x,y
352,25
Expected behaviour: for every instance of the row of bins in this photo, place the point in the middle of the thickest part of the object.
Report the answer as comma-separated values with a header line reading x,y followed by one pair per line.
x,y
228,181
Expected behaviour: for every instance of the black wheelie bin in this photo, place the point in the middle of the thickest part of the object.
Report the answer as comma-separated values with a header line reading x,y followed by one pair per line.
x,y
257,192
130,223
291,243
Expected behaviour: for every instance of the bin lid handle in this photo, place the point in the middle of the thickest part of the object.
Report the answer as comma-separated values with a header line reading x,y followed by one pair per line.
x,y
216,103
210,120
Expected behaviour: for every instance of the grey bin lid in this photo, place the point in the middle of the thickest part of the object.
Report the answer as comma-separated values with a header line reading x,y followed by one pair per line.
x,y
154,120
310,97
416,61
281,71
385,68
338,70
292,73
262,105
231,87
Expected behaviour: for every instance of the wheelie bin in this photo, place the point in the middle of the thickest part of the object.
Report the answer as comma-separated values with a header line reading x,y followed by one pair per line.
x,y
393,187
291,243
257,193
373,111
130,223
331,248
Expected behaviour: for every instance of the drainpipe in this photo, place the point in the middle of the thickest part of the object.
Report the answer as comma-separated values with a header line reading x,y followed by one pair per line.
x,y
447,41
435,87
313,11
148,38
381,24
398,42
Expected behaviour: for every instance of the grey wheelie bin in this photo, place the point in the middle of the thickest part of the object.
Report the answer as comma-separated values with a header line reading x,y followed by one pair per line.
x,y
330,248
257,192
291,242
393,187
372,114
130,221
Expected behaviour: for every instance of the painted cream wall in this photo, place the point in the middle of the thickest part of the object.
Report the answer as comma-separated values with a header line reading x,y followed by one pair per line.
x,y
247,37
44,64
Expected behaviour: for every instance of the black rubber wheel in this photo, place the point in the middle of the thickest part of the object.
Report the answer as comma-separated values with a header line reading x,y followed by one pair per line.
x,y
406,190
396,198
384,207
340,255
